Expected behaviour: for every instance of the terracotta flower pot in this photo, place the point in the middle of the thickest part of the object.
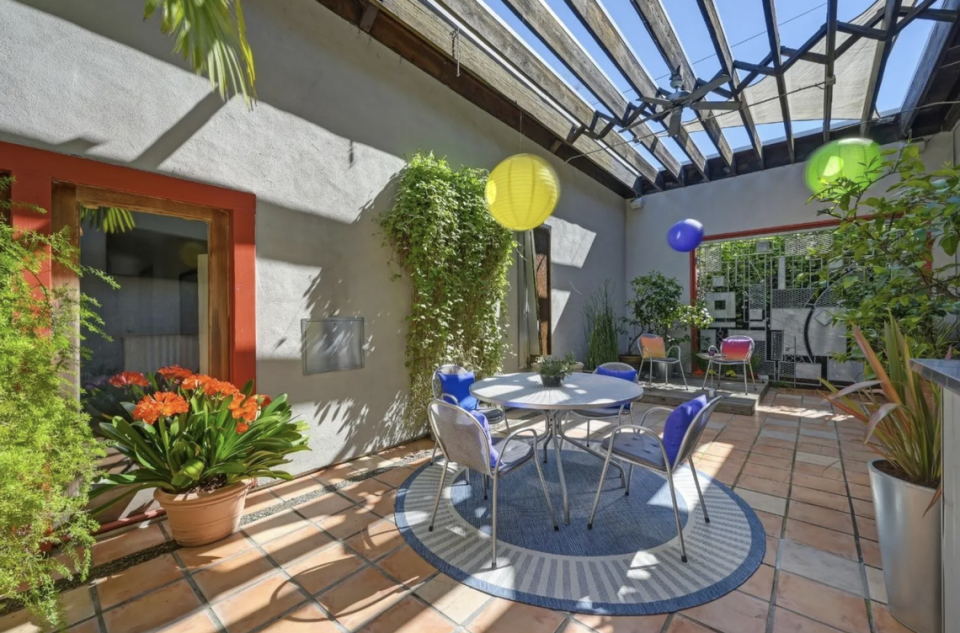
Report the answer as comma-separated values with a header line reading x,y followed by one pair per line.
x,y
204,517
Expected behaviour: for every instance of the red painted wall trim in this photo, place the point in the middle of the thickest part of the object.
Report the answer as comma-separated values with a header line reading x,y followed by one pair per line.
x,y
35,170
785,228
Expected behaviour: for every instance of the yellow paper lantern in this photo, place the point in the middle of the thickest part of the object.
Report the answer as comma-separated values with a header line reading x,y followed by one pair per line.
x,y
522,192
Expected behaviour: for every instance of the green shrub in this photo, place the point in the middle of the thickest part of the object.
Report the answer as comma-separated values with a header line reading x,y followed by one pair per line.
x,y
457,258
47,452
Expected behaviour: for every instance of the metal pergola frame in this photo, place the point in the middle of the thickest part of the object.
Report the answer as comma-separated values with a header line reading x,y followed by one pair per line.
x,y
498,71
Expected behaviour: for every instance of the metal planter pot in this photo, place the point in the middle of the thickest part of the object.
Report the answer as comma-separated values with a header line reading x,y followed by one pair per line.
x,y
910,550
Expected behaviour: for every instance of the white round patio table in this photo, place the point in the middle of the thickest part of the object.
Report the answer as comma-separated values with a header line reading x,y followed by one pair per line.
x,y
578,391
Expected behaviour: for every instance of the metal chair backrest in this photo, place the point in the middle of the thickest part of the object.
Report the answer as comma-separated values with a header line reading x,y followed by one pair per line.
x,y
652,346
460,436
449,368
692,437
737,348
615,366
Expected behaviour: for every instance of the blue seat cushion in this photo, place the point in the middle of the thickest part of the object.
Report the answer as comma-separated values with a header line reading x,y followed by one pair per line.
x,y
482,419
625,374
458,386
677,424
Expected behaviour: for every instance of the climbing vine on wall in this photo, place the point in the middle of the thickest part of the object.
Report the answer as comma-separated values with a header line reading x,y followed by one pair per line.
x,y
457,258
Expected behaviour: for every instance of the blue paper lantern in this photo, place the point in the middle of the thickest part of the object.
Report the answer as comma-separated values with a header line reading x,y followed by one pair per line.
x,y
685,235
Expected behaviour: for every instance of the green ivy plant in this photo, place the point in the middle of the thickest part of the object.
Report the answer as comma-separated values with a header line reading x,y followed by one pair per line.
x,y
457,258
48,454
656,308
884,249
603,341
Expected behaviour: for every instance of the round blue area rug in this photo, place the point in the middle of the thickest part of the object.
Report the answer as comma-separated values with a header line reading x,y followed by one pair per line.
x,y
628,564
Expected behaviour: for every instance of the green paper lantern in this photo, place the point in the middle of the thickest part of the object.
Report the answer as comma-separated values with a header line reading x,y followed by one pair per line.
x,y
858,159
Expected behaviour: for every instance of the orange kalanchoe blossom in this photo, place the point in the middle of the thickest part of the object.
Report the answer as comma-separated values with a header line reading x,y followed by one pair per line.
x,y
162,403
265,400
210,386
174,373
242,427
128,378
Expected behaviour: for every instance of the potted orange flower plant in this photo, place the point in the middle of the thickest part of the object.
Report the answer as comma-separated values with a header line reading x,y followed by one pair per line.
x,y
200,442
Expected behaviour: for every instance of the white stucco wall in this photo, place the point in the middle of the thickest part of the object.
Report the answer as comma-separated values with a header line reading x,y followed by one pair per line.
x,y
762,200
338,114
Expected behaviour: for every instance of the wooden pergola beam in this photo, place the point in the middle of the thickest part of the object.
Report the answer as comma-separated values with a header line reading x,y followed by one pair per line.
x,y
773,36
555,36
930,61
598,22
655,19
487,26
828,77
715,27
437,31
881,55
925,13
805,49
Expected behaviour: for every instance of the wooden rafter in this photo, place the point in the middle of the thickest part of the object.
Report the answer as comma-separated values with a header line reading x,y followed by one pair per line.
x,y
715,27
432,28
773,36
881,55
595,19
555,36
491,30
655,19
930,61
828,77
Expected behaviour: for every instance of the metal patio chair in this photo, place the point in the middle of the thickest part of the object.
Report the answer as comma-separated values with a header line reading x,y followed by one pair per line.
x,y
735,351
463,441
494,415
653,349
638,445
608,413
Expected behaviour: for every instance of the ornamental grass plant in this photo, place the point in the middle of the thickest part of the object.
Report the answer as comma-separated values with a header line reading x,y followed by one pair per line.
x,y
899,409
191,432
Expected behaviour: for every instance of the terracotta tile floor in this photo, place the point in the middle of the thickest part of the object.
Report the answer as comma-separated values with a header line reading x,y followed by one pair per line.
x,y
337,563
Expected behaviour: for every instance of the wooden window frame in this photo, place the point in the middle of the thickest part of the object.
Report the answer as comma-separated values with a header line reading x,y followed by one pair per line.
x,y
57,183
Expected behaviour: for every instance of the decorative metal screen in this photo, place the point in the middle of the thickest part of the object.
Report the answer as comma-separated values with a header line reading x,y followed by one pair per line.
x,y
332,344
770,290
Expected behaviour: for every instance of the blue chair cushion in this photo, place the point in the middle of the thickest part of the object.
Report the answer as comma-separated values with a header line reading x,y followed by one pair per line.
x,y
458,386
482,419
677,424
626,374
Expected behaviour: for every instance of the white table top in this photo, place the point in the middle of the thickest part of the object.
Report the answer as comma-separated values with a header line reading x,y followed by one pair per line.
x,y
579,391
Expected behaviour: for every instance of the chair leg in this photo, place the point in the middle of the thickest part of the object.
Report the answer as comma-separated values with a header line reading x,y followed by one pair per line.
x,y
436,502
696,481
506,420
546,495
484,486
436,445
676,514
745,388
596,499
683,376
706,375
753,376
629,479
666,373
493,534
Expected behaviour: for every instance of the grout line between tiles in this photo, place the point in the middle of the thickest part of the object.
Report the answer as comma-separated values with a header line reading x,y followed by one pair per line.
x,y
207,608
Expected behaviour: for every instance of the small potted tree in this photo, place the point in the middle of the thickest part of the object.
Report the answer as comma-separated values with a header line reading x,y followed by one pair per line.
x,y
200,442
901,412
656,308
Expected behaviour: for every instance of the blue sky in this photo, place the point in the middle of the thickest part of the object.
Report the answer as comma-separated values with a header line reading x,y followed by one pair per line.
x,y
744,25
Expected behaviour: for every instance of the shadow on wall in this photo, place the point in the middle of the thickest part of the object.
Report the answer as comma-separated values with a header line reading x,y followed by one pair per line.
x,y
311,267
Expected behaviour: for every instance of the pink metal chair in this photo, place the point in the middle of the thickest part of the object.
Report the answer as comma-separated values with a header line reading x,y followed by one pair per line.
x,y
734,351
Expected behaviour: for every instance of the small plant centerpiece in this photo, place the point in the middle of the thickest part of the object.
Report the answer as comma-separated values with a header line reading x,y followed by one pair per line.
x,y
901,413
553,370
199,442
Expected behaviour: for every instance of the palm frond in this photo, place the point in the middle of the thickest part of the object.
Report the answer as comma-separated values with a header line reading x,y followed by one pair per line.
x,y
212,37
108,219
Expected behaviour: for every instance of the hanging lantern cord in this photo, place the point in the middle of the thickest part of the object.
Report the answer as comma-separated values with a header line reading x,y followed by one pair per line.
x,y
455,37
